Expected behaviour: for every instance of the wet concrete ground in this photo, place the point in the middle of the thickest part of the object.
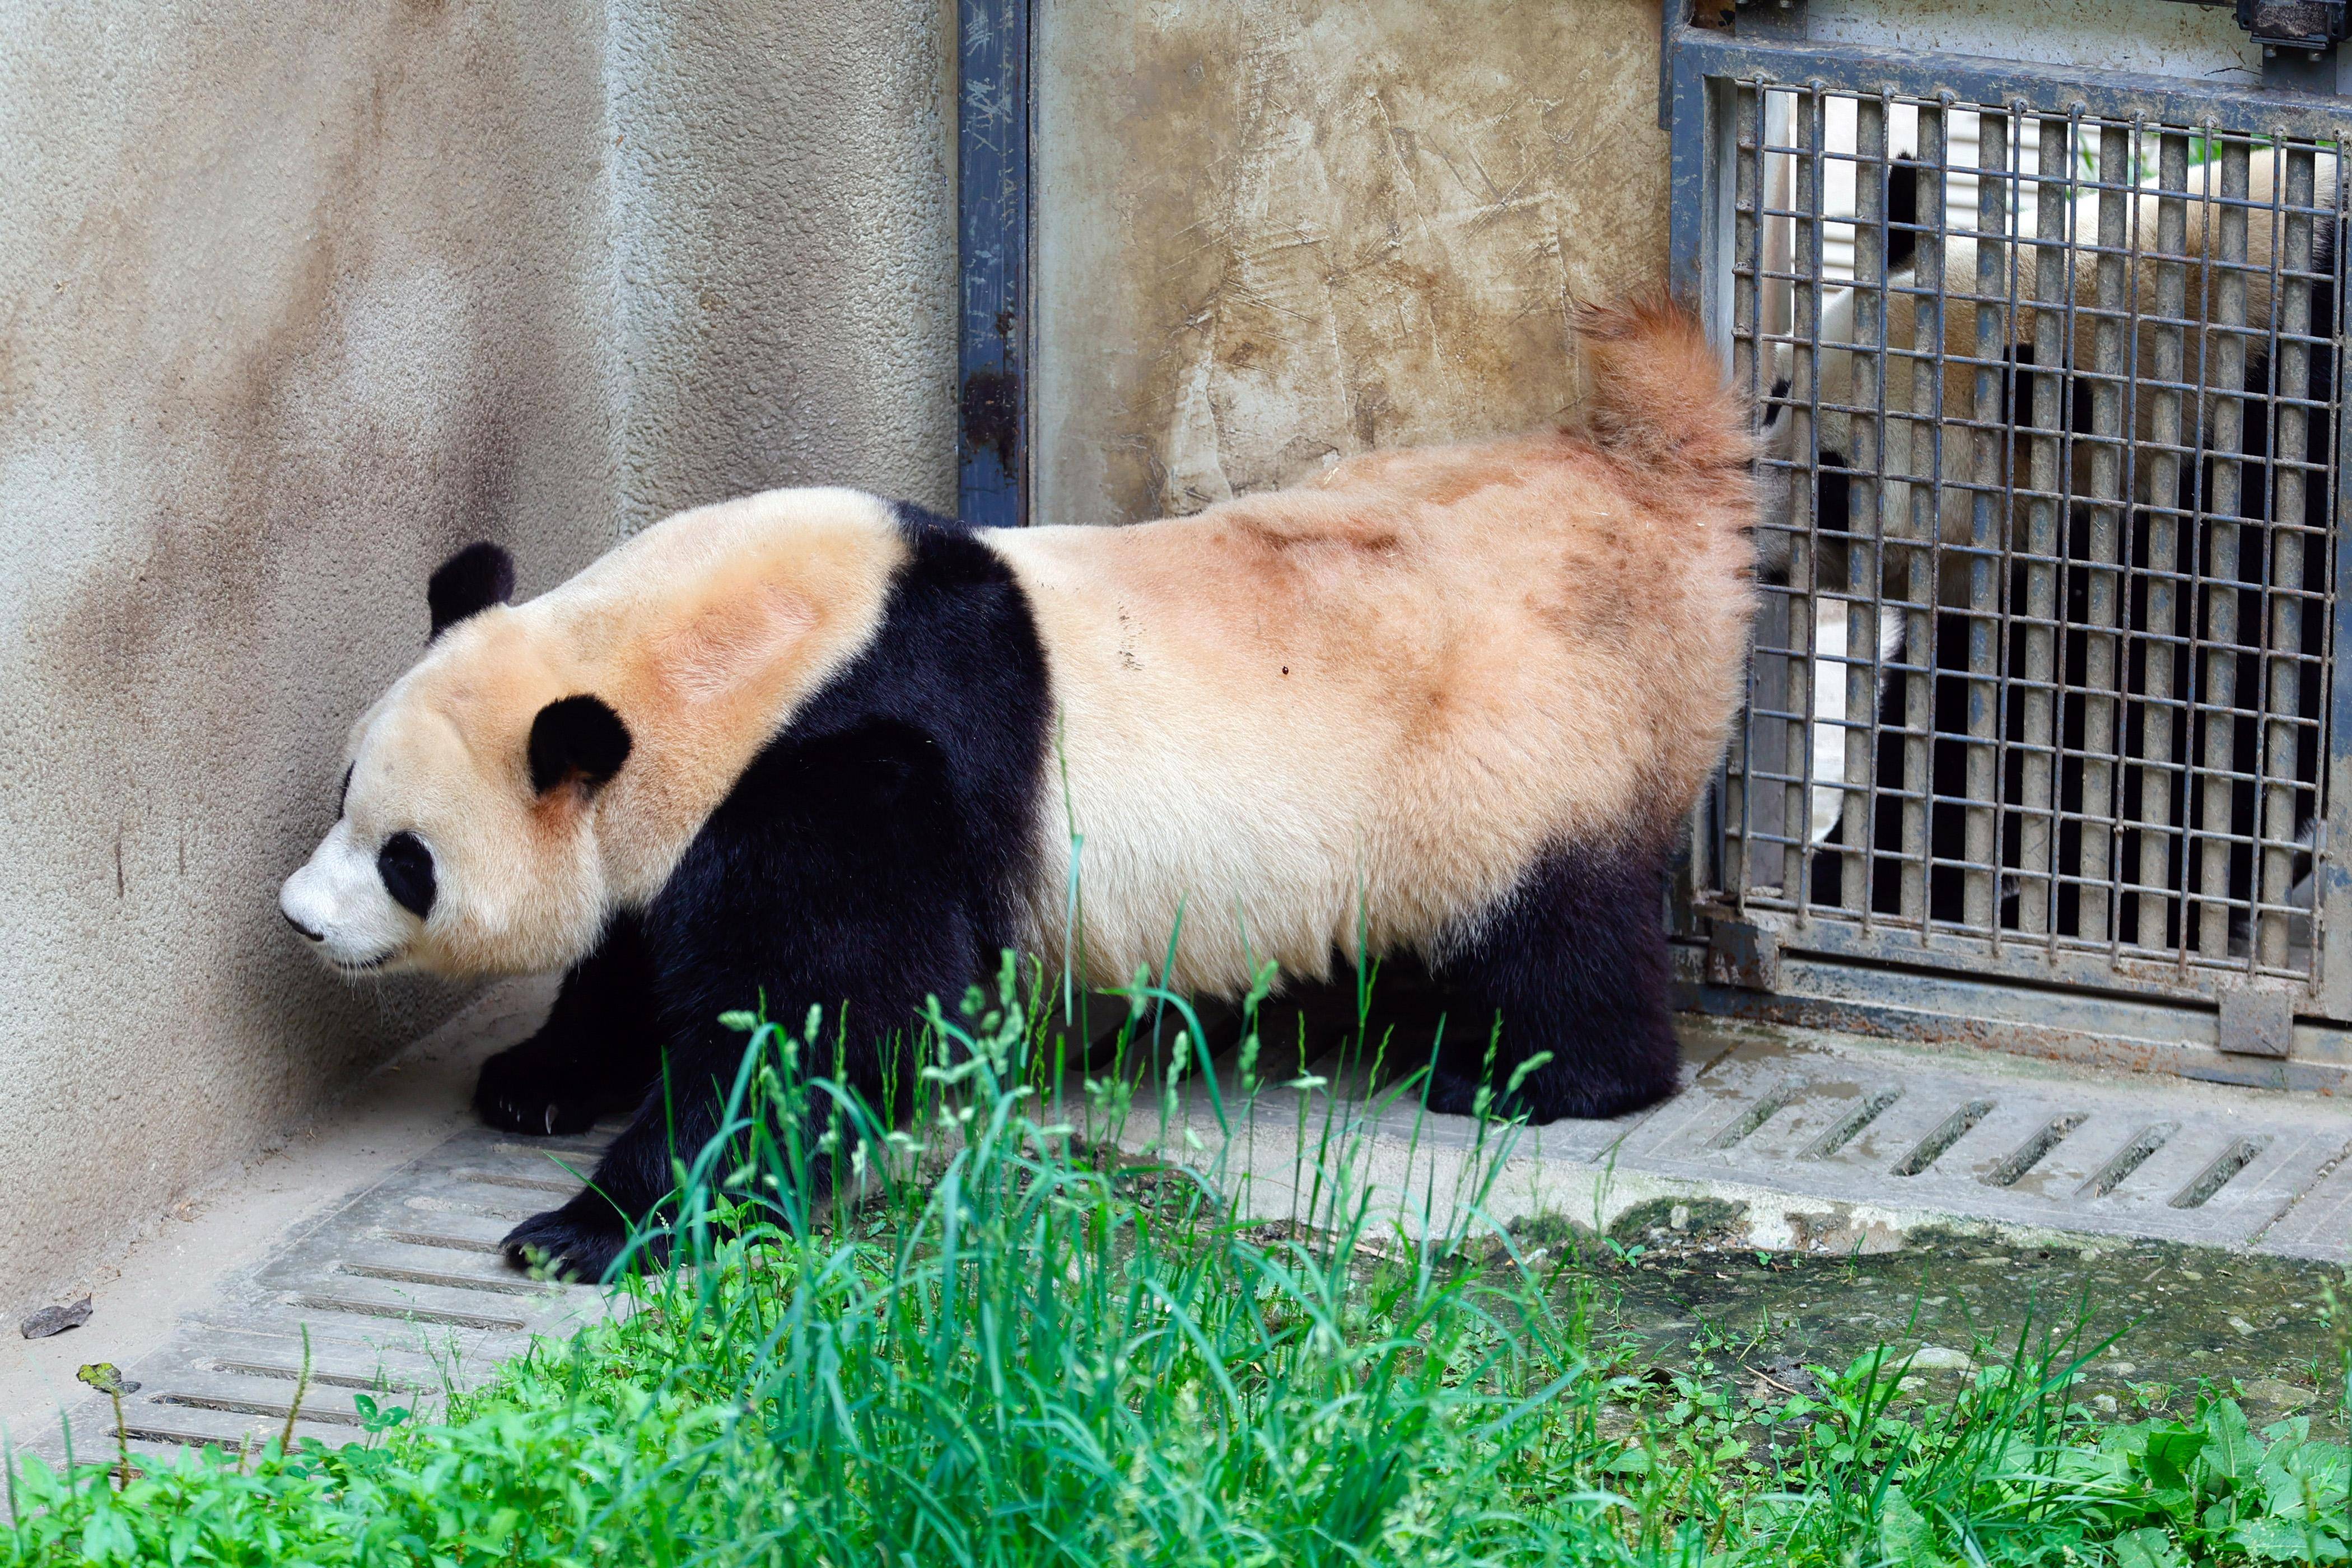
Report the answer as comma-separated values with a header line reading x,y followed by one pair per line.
x,y
2271,1333
1798,1140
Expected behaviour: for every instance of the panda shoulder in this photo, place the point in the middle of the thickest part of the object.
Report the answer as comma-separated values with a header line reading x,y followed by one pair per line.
x,y
916,519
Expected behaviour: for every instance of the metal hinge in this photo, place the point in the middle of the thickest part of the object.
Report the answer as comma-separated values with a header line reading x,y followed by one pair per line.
x,y
1756,18
1743,953
2256,1023
2313,25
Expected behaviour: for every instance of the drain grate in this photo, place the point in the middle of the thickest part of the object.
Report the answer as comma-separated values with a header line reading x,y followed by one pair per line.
x,y
1782,1095
2004,1141
1844,1133
402,1291
2128,1159
2009,1170
1835,1141
2217,1176
1954,1128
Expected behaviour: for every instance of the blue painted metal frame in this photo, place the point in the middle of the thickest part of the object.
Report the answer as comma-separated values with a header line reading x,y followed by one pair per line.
x,y
994,117
1697,68
1972,79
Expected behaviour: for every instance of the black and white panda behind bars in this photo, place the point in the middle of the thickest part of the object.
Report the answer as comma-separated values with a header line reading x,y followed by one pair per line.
x,y
1800,494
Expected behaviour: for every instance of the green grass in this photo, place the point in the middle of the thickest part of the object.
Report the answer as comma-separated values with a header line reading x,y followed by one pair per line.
x,y
1018,1347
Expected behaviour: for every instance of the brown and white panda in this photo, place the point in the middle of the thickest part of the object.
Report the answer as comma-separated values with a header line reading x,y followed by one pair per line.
x,y
824,749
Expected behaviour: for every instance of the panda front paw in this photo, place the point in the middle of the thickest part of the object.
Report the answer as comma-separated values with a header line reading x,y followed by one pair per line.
x,y
525,1089
1449,1094
578,1241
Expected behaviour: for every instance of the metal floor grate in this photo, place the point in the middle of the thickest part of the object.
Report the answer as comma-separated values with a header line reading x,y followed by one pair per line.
x,y
402,1290
1830,1143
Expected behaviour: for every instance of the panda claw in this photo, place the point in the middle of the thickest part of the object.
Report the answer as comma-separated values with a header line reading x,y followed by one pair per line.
x,y
519,1091
578,1241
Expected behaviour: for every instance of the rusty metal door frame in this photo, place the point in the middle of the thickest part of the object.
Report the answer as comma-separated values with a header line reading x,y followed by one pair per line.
x,y
995,127
1819,972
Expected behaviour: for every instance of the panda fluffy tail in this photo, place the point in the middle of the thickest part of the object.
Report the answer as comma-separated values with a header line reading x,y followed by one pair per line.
x,y
1661,397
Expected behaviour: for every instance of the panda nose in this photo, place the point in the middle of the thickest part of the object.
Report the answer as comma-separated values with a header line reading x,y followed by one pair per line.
x,y
308,934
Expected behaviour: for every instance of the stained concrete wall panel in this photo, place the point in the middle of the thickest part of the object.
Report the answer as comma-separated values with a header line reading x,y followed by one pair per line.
x,y
787,297
293,302
1276,232
294,299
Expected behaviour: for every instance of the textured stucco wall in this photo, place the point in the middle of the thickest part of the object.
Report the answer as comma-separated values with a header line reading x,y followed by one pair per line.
x,y
1274,231
293,300
784,217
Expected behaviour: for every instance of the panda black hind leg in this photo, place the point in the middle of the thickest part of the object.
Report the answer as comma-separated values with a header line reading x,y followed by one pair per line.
x,y
593,1055
1572,964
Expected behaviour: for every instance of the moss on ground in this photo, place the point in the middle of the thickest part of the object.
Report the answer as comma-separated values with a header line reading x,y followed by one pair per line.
x,y
2182,1320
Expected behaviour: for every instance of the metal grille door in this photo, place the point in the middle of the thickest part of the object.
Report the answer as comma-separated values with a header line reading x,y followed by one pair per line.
x,y
2044,685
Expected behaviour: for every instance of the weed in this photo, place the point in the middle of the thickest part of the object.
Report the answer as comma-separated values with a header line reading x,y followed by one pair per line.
x,y
1003,1340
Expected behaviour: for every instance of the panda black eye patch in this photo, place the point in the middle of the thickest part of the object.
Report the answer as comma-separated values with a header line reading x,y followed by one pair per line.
x,y
406,868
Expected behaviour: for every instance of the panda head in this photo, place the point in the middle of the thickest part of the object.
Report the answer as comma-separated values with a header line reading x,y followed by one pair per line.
x,y
464,841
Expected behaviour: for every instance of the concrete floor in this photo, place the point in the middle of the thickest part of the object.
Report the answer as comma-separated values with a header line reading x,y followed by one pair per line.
x,y
215,1264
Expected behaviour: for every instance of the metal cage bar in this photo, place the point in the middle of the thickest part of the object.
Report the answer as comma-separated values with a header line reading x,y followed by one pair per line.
x,y
1859,639
1981,866
2043,398
2218,378
2153,906
1927,465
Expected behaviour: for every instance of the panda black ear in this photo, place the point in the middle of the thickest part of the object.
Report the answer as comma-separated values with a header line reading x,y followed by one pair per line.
x,y
467,583
576,737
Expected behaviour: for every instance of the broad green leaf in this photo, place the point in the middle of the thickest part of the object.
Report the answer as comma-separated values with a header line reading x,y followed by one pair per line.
x,y
2231,1448
2309,1480
2283,1540
2171,1451
2090,1468
1904,1535
2148,1548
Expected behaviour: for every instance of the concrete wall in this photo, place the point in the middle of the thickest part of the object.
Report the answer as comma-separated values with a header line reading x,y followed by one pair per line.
x,y
783,213
293,301
1275,231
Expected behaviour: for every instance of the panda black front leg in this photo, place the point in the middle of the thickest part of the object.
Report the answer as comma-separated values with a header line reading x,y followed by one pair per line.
x,y
835,876
633,1180
1574,964
595,1054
